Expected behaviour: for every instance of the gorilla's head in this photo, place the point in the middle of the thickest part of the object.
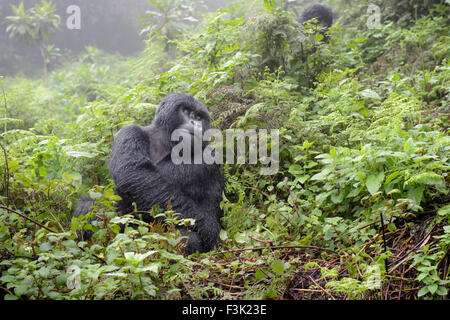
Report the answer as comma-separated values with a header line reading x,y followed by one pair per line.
x,y
184,112
321,12
180,118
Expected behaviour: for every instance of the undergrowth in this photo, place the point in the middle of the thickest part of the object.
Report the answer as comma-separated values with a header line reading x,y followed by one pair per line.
x,y
359,208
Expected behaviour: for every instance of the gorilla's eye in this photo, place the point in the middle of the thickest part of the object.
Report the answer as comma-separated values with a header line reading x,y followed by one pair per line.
x,y
185,110
195,116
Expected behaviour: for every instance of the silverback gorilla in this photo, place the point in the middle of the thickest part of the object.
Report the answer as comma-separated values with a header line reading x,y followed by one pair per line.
x,y
143,172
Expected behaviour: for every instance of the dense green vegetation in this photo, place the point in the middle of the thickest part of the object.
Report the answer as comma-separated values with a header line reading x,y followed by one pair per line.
x,y
358,210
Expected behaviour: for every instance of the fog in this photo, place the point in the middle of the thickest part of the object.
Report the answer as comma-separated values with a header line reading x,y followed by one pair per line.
x,y
110,25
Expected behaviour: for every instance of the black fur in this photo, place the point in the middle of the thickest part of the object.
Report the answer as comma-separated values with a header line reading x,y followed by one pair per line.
x,y
143,173
83,207
321,12
324,16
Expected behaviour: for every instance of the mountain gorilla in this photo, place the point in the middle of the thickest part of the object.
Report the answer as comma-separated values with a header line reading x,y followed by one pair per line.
x,y
143,172
321,12
324,16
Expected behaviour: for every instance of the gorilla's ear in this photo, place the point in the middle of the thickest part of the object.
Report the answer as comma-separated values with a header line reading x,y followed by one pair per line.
x,y
158,150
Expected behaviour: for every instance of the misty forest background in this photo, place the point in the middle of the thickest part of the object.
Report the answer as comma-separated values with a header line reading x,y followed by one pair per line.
x,y
358,210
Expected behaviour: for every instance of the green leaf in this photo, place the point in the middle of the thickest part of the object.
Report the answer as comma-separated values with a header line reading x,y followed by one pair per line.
x,y
433,288
270,5
302,179
259,275
442,291
138,256
406,146
21,289
370,94
310,265
109,194
333,152
319,37
444,211
42,171
295,169
271,293
337,197
422,276
392,176
353,193
427,178
70,244
277,266
423,292
416,194
321,175
153,267
46,246
77,154
43,272
95,195
373,182
240,238
223,235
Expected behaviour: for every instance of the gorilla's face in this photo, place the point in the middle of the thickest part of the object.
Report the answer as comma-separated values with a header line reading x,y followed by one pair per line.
x,y
185,113
192,120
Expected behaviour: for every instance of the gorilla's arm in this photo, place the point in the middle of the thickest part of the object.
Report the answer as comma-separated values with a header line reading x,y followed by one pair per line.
x,y
137,178
202,184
